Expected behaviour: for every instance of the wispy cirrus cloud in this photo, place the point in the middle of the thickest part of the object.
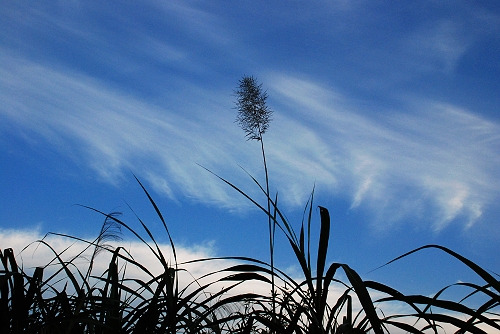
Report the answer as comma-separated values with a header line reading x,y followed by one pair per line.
x,y
433,159
113,132
430,158
437,45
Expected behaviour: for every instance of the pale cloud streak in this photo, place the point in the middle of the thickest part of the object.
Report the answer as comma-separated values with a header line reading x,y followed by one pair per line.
x,y
434,155
429,159
398,164
438,45
116,133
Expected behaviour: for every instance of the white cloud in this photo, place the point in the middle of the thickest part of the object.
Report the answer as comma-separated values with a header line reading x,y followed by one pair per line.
x,y
196,21
398,164
193,269
114,133
432,154
37,254
30,254
440,43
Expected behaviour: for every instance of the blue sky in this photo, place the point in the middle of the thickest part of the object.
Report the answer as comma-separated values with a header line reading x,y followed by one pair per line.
x,y
391,111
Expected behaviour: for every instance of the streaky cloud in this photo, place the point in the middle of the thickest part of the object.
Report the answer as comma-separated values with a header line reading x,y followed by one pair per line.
x,y
432,160
113,132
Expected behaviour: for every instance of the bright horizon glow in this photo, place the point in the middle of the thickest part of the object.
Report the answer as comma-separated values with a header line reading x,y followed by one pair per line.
x,y
390,112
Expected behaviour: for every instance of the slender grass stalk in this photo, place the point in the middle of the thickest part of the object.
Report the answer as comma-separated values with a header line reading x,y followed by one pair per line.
x,y
254,116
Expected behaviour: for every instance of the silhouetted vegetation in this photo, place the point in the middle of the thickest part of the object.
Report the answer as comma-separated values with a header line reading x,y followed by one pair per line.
x,y
116,301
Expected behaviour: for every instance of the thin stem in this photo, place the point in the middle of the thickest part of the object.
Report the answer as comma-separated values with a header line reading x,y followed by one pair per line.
x,y
272,228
